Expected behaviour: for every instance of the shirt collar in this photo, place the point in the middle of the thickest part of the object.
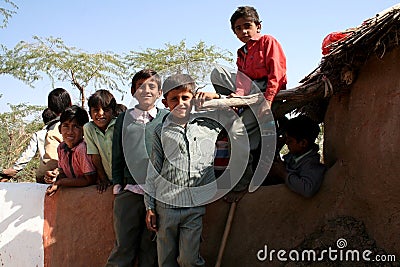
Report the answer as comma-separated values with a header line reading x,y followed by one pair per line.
x,y
256,37
67,149
250,42
192,118
137,112
296,159
112,122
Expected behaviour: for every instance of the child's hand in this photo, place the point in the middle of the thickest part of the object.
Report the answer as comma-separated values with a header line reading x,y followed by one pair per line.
x,y
10,172
151,220
201,97
102,185
51,190
233,95
51,176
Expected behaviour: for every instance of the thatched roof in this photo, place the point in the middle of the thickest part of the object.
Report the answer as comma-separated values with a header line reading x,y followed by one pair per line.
x,y
338,69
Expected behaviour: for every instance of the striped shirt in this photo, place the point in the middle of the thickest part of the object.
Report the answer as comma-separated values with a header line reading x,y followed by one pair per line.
x,y
182,172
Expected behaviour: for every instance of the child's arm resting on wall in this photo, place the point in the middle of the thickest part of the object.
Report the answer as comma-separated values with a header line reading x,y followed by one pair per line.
x,y
62,180
102,181
88,179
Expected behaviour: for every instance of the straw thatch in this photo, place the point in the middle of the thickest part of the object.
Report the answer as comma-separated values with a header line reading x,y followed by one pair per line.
x,y
338,69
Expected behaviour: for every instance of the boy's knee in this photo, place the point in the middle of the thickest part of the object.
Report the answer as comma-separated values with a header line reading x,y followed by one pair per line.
x,y
223,80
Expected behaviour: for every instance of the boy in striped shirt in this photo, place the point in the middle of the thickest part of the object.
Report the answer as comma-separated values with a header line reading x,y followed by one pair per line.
x,y
181,178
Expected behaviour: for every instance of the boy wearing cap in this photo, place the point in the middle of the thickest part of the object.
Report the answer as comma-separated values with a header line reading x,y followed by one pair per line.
x,y
182,164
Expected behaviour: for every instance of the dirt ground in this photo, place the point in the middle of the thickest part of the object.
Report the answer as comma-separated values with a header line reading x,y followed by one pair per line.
x,y
349,229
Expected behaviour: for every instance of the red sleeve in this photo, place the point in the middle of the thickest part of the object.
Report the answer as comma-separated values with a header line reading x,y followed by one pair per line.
x,y
276,67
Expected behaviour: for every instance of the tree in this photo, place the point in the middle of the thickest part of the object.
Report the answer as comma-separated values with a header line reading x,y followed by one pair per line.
x,y
51,57
17,67
28,62
196,61
17,127
6,13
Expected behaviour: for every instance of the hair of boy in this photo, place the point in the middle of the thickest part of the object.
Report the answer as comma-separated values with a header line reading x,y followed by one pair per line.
x,y
179,81
144,75
58,100
302,127
48,115
119,108
74,112
247,12
102,98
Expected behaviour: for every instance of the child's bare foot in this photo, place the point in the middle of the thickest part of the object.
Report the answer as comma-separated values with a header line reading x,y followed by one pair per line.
x,y
234,196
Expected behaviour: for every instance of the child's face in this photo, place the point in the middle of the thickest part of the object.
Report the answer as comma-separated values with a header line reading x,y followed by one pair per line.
x,y
245,29
71,132
101,116
179,101
146,92
296,147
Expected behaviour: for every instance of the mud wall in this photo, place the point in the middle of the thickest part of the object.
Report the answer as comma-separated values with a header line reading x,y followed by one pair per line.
x,y
362,137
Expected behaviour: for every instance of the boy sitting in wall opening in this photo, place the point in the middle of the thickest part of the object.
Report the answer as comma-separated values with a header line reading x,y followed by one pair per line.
x,y
301,169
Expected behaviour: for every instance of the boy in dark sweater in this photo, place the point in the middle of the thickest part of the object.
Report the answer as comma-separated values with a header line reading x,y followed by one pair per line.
x,y
131,147
301,169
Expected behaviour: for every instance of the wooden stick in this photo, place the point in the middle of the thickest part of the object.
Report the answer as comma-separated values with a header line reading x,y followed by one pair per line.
x,y
226,233
232,102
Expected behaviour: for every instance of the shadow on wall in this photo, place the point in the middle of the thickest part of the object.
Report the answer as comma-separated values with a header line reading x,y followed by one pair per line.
x,y
21,224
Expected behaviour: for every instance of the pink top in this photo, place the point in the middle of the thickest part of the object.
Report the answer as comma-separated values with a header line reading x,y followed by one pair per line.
x,y
80,163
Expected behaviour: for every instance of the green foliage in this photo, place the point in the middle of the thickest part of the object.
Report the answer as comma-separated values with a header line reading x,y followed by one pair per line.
x,y
176,55
17,128
51,57
7,12
197,61
17,66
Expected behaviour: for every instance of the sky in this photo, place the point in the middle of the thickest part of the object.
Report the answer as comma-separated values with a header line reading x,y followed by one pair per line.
x,y
126,25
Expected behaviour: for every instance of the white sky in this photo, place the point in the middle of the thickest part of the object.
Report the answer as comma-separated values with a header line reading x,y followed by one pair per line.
x,y
125,25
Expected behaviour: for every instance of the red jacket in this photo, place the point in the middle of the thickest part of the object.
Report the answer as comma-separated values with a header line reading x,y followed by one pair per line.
x,y
264,59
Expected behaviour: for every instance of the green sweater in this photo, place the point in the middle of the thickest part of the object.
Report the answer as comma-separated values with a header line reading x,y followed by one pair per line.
x,y
131,148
